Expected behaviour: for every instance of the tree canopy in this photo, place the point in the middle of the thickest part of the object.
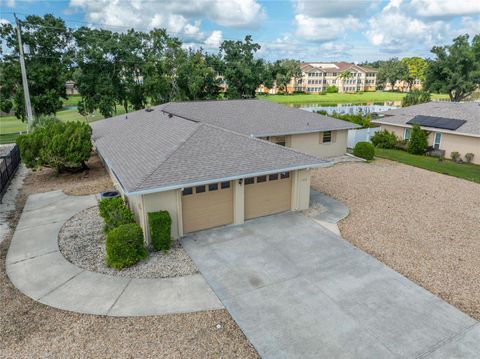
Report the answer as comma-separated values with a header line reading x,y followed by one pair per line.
x,y
456,68
391,71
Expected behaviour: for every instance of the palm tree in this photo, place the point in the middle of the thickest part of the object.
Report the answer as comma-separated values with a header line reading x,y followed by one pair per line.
x,y
344,75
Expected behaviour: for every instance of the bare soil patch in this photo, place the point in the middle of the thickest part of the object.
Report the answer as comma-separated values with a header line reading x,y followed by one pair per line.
x,y
423,224
29,329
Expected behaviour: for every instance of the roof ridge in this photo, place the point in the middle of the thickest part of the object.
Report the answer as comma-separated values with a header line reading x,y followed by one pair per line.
x,y
172,152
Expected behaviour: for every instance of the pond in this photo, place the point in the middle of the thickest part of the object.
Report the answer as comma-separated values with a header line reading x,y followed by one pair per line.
x,y
343,108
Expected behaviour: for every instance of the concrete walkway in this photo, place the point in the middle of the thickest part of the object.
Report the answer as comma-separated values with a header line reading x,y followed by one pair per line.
x,y
297,290
38,269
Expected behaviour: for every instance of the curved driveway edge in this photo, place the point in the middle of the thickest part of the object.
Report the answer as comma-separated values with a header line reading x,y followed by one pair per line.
x,y
37,268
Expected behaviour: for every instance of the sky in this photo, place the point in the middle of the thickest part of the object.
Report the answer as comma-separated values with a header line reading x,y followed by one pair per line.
x,y
307,30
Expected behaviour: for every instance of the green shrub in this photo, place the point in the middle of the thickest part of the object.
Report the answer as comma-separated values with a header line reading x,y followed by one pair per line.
x,y
418,142
364,150
402,145
384,139
124,246
415,97
455,156
114,213
332,89
359,119
62,146
160,225
469,157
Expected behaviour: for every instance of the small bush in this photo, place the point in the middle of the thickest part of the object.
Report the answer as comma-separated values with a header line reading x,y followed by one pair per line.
x,y
469,157
124,246
384,139
114,213
455,156
418,141
364,150
332,89
160,225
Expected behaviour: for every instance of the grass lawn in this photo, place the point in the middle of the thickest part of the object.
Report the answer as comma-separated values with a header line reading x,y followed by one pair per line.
x,y
466,171
334,98
72,100
10,126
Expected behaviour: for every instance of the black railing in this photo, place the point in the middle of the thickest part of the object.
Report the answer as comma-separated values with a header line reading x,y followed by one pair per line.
x,y
9,161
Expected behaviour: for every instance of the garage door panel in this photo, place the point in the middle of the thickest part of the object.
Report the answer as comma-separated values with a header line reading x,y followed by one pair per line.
x,y
266,198
207,210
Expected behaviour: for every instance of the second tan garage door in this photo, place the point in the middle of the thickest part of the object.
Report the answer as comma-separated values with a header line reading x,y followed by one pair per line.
x,y
207,206
267,194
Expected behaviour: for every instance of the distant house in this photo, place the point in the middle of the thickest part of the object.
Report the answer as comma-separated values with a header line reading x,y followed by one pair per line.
x,y
213,163
453,126
71,88
317,76
403,86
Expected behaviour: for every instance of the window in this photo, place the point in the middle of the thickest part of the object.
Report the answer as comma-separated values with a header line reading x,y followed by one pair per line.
x,y
284,175
327,136
213,187
407,133
250,180
438,139
187,191
273,177
199,189
261,179
225,185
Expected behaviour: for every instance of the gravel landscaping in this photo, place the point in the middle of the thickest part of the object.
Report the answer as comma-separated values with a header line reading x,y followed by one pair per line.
x,y
82,242
425,225
29,329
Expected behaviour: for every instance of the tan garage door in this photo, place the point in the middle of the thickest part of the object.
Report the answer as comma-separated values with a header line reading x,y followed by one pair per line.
x,y
207,206
267,194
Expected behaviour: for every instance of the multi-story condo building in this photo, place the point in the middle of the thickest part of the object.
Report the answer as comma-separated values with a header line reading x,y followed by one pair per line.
x,y
318,76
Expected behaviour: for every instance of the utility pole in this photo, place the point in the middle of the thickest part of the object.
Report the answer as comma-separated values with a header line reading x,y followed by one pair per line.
x,y
26,92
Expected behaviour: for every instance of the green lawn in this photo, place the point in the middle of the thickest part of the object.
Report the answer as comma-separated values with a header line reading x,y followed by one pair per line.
x,y
72,100
466,171
334,98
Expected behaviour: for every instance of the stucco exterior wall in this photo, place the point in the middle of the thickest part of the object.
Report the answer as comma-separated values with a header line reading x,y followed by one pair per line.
x,y
310,143
449,142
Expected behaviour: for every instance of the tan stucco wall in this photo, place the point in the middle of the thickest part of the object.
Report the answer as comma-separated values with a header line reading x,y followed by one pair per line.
x,y
310,143
449,142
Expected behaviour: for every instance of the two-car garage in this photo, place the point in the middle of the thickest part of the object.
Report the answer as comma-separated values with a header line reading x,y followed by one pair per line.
x,y
213,205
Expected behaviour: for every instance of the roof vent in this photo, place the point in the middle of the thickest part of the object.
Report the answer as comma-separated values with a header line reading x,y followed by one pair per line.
x,y
149,109
170,115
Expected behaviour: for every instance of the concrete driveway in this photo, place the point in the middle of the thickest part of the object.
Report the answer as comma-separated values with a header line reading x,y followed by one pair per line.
x,y
298,290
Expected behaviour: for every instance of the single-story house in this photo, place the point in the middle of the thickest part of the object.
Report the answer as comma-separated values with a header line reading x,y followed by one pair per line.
x,y
453,126
308,132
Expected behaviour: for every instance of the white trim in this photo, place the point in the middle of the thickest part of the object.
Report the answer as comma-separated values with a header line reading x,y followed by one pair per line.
x,y
431,129
435,137
351,127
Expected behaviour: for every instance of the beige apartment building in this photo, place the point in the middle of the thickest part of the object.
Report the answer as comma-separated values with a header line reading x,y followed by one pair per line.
x,y
318,76
403,86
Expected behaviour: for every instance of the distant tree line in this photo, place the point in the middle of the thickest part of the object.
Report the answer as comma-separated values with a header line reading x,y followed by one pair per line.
x,y
132,69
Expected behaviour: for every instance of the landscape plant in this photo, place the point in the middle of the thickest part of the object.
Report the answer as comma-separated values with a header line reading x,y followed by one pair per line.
x,y
416,97
160,224
384,139
364,150
418,142
124,246
114,213
359,119
469,157
63,146
455,156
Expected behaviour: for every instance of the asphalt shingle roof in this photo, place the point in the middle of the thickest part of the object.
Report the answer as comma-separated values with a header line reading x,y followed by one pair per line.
x,y
256,117
153,150
468,111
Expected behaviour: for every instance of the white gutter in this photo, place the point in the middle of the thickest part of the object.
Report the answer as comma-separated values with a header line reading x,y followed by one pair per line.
x,y
225,179
432,129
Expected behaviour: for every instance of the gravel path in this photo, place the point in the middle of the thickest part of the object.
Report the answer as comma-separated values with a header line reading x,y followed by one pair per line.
x,y
82,242
423,224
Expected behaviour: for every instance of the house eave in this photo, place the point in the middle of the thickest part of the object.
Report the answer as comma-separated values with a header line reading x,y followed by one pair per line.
x,y
433,129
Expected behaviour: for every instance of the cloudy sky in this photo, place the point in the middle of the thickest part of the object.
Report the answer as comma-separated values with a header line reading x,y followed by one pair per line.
x,y
352,30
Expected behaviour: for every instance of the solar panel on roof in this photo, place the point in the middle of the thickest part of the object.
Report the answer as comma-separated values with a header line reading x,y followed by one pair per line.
x,y
436,122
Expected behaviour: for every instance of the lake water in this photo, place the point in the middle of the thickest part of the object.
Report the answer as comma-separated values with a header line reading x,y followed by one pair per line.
x,y
350,108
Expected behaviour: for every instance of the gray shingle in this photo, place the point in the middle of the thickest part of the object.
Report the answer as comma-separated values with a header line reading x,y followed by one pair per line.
x,y
468,111
152,150
256,117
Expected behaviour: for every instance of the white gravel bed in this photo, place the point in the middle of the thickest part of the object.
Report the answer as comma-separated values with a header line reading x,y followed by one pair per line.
x,y
423,224
82,242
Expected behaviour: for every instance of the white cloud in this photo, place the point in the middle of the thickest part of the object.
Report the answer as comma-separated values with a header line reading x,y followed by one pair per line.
x,y
446,8
214,40
7,3
324,29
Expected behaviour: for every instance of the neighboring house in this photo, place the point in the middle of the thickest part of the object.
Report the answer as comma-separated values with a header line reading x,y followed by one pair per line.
x,y
453,126
403,86
317,76
208,173
71,88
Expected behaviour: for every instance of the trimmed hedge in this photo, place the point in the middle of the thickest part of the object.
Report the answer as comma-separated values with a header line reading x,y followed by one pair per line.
x,y
125,246
384,139
364,150
160,224
418,143
114,213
